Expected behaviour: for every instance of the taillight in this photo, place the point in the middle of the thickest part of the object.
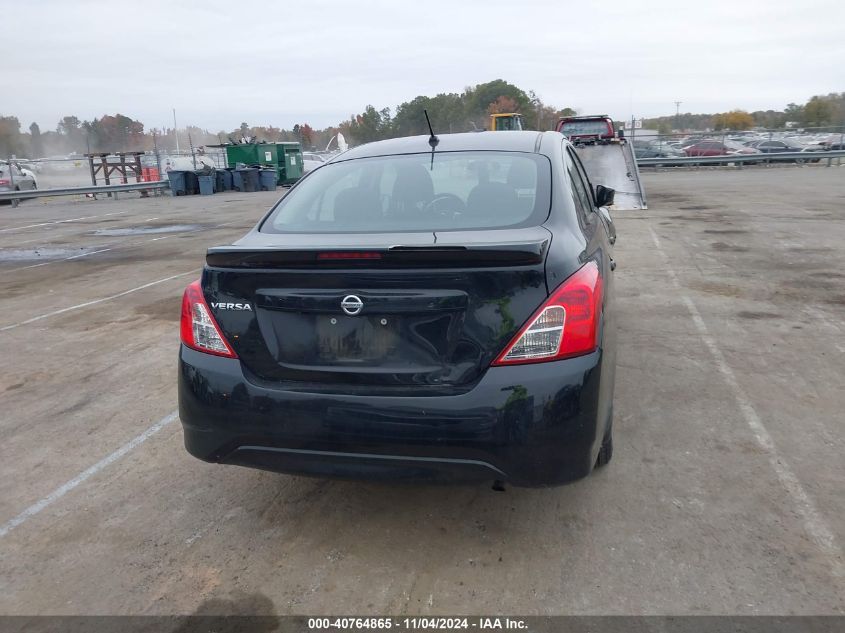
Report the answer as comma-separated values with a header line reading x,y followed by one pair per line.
x,y
198,328
4,182
566,325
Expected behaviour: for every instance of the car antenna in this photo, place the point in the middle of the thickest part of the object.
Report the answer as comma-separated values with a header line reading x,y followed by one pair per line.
x,y
432,140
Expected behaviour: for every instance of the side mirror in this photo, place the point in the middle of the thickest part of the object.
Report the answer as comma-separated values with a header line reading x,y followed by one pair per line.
x,y
604,196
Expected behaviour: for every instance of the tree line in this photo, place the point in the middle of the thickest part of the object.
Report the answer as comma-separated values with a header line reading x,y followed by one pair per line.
x,y
452,112
449,112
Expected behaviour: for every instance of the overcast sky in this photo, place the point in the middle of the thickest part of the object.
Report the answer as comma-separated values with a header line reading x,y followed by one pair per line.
x,y
222,62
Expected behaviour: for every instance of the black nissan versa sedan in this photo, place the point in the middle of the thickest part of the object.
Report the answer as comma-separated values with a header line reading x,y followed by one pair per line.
x,y
413,312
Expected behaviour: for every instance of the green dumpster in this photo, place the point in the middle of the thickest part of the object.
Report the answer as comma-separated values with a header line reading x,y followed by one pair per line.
x,y
252,155
285,157
290,162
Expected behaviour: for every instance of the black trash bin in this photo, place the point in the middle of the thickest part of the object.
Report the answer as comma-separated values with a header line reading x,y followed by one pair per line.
x,y
249,175
206,184
177,183
267,178
192,183
227,179
237,181
220,183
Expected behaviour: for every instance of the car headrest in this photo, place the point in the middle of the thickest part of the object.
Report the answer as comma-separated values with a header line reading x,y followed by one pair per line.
x,y
413,186
522,174
357,204
492,200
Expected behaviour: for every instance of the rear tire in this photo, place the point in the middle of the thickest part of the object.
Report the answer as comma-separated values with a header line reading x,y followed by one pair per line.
x,y
606,450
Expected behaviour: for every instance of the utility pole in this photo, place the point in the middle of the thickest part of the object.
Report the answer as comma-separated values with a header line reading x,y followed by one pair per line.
x,y
176,131
12,180
193,156
678,114
158,159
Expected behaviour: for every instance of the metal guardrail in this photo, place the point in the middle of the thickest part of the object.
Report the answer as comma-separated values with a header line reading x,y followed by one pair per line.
x,y
76,191
773,157
737,159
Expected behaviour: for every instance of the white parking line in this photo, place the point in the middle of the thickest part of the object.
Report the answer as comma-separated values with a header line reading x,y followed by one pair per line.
x,y
65,488
814,523
94,302
54,261
87,217
121,245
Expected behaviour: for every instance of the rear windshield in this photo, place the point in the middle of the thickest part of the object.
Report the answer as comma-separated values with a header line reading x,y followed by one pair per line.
x,y
459,191
584,128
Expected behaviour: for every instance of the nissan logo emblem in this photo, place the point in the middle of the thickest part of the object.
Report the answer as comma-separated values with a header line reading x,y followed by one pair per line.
x,y
352,305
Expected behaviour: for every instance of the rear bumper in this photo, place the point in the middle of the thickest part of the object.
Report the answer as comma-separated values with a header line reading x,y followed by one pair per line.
x,y
530,425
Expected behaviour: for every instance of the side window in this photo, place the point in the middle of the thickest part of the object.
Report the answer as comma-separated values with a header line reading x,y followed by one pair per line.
x,y
579,191
591,198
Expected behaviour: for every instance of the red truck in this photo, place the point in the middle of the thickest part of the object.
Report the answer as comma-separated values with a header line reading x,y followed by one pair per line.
x,y
597,128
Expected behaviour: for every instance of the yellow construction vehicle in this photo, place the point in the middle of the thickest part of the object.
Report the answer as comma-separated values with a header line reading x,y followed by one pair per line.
x,y
506,122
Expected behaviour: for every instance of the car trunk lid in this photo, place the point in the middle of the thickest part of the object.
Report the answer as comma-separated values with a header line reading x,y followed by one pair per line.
x,y
412,311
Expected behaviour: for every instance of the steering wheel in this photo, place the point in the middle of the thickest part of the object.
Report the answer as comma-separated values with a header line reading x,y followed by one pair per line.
x,y
453,204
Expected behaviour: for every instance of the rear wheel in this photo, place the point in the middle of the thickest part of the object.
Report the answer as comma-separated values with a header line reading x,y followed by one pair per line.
x,y
606,450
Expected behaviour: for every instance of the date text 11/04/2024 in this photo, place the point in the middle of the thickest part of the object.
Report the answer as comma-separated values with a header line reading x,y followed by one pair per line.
x,y
417,623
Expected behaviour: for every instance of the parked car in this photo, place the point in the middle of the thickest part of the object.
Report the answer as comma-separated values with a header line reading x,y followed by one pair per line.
x,y
683,144
744,139
656,149
413,313
311,161
13,178
28,173
733,147
34,166
833,142
705,148
779,146
712,147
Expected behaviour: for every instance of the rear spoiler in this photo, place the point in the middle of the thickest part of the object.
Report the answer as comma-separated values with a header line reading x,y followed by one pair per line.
x,y
508,254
